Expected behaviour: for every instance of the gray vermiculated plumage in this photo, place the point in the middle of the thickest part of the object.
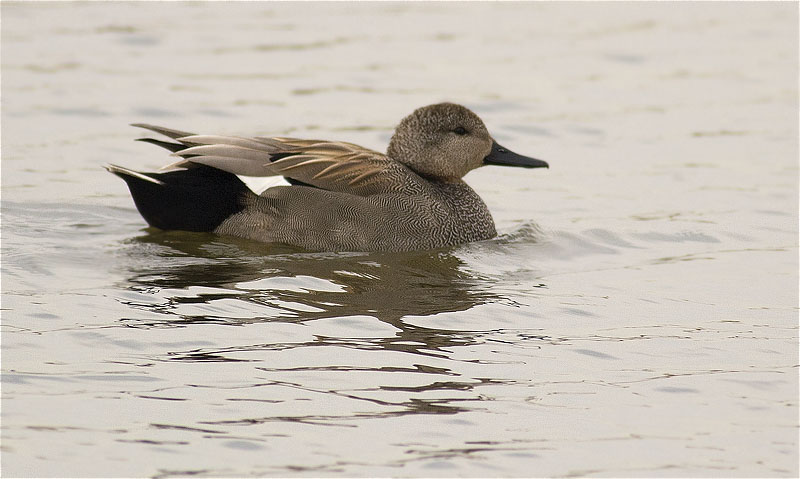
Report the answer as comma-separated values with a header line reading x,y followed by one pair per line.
x,y
356,199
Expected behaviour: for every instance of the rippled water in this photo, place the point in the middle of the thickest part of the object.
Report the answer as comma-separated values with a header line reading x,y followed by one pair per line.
x,y
637,315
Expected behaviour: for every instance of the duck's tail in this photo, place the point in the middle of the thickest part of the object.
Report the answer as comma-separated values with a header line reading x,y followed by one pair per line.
x,y
192,199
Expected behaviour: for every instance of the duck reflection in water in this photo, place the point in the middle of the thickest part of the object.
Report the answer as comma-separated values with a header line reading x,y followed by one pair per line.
x,y
296,286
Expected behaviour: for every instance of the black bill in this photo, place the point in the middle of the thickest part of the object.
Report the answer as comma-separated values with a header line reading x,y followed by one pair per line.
x,y
504,156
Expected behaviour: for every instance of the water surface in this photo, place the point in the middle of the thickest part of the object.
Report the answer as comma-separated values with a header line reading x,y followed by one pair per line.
x,y
636,316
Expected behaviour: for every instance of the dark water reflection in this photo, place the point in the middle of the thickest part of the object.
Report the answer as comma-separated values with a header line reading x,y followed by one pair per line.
x,y
281,284
278,283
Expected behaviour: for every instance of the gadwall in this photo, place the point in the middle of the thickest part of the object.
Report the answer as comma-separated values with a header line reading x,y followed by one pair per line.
x,y
342,197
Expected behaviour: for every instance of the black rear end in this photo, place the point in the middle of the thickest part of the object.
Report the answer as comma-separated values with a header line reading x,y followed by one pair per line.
x,y
194,199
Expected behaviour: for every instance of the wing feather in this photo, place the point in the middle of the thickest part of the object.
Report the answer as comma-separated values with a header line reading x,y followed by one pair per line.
x,y
226,140
231,151
330,165
237,166
168,132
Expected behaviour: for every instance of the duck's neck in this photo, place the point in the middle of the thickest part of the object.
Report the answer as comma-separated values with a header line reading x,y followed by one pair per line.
x,y
467,210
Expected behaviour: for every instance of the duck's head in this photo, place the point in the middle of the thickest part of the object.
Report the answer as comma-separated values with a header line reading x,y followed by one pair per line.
x,y
443,142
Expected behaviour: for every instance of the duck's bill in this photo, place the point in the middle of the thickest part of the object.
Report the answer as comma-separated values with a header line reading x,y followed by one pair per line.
x,y
506,157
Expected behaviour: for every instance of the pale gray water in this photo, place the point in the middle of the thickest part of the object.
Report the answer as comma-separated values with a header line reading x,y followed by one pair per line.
x,y
638,315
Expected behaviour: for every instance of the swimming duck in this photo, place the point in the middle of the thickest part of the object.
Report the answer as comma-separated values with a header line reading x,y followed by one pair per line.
x,y
342,197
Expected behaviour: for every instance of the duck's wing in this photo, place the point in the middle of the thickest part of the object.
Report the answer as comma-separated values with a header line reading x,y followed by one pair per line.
x,y
330,165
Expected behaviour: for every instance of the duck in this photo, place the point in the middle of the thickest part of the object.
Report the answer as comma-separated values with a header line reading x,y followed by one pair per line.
x,y
340,196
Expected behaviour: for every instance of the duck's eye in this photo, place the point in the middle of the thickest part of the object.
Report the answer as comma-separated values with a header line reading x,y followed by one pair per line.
x,y
460,131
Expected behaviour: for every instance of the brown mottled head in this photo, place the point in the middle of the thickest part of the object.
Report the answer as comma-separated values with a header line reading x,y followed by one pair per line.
x,y
441,142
